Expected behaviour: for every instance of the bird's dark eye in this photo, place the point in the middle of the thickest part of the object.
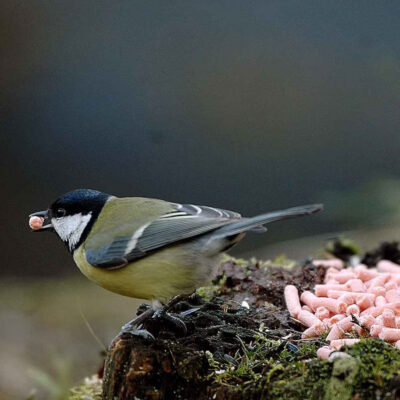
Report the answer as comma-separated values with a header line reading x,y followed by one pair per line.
x,y
60,212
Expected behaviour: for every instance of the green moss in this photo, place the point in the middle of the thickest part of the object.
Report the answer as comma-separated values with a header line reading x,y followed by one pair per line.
x,y
268,369
283,261
379,368
90,389
343,378
300,380
268,366
208,292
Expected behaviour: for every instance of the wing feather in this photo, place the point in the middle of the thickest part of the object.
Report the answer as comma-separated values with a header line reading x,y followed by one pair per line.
x,y
183,222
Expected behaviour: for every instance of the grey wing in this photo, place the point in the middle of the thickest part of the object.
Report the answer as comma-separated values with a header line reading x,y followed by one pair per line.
x,y
184,222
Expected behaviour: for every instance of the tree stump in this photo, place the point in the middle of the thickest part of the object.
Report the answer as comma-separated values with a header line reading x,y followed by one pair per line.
x,y
245,315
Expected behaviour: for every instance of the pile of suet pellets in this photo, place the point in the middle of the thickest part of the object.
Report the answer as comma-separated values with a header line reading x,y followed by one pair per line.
x,y
353,302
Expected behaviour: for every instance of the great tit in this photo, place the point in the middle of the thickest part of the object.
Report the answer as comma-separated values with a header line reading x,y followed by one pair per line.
x,y
147,248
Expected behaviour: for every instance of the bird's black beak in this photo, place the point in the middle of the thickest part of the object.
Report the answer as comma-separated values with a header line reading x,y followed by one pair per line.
x,y
46,225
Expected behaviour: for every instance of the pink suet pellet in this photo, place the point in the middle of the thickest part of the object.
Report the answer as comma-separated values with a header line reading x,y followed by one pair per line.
x,y
377,290
335,294
335,263
322,313
342,276
307,318
388,266
336,318
389,334
331,281
365,302
393,296
380,280
337,344
313,331
309,299
388,318
375,330
396,279
344,325
380,301
391,285
355,285
292,300
365,274
334,333
367,321
322,290
348,298
327,322
36,222
324,352
353,309
333,305
332,270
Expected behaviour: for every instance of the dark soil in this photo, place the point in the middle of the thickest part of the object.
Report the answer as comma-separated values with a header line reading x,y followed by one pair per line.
x,y
345,249
386,251
259,285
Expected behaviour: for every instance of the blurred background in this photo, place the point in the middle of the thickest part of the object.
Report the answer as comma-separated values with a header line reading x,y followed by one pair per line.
x,y
246,105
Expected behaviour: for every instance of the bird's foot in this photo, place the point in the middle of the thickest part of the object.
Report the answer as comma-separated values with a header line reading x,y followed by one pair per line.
x,y
135,322
134,327
174,301
148,324
143,333
176,322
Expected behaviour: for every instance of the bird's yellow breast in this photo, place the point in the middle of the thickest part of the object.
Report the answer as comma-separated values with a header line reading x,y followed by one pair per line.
x,y
162,275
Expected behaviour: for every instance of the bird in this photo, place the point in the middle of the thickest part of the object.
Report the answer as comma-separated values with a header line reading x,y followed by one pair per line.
x,y
148,248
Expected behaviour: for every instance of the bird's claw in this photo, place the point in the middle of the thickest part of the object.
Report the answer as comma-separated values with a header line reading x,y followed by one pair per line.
x,y
175,321
127,327
143,333
189,312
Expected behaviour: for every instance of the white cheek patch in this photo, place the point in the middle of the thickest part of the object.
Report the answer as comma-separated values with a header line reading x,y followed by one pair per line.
x,y
71,227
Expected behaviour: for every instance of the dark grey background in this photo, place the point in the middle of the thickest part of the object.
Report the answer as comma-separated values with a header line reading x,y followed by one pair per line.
x,y
247,105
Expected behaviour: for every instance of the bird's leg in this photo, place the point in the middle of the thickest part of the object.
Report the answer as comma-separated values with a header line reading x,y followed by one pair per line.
x,y
134,326
157,311
175,300
138,320
162,313
190,310
179,298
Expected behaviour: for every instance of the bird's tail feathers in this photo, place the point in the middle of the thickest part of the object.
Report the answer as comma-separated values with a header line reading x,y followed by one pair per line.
x,y
253,223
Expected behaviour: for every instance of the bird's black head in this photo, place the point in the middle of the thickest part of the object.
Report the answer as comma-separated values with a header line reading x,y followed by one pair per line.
x,y
72,215
79,201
